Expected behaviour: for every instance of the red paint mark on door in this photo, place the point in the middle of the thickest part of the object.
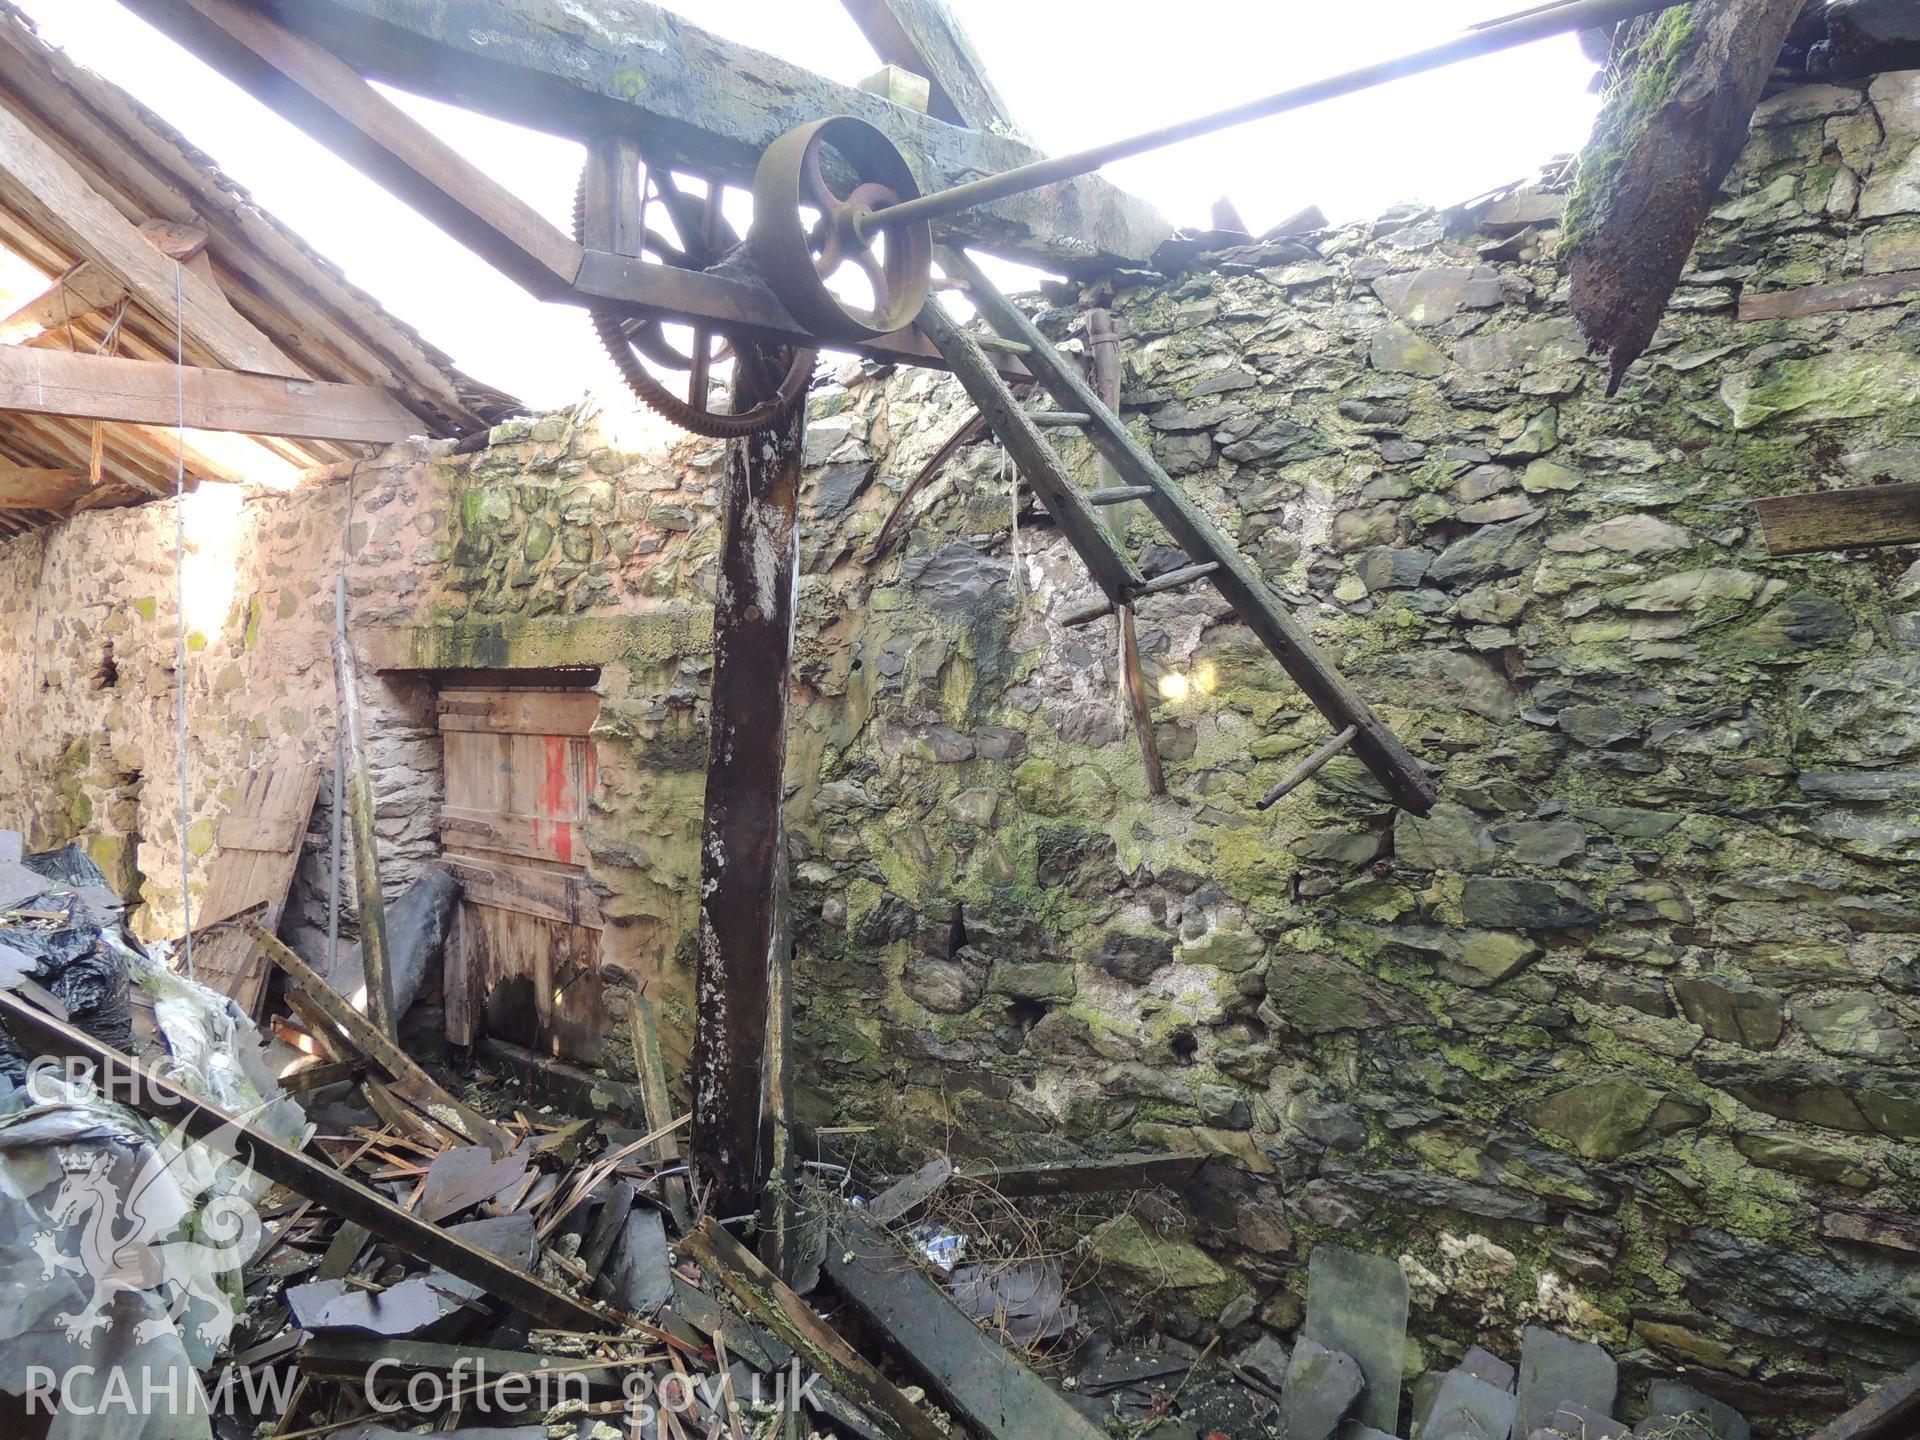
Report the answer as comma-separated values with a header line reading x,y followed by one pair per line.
x,y
556,798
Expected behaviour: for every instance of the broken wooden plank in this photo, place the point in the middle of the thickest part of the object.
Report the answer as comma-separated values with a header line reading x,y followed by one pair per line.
x,y
1893,289
38,185
650,1066
1080,1177
141,392
1891,1412
909,1192
704,104
743,848
417,1087
1675,119
924,37
314,1077
972,1373
1855,519
142,1089
793,1320
258,842
350,733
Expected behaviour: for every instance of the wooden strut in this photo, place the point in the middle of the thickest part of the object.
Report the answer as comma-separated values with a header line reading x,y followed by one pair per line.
x,y
308,84
141,1089
791,1318
974,1374
1103,343
1860,518
410,1082
743,941
360,813
1309,767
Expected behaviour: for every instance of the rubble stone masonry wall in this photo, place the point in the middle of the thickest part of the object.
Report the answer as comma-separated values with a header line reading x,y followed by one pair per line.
x,y
1621,1038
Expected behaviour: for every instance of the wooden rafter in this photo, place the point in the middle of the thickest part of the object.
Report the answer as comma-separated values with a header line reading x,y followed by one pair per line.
x,y
88,288
82,291
337,332
924,36
332,103
41,187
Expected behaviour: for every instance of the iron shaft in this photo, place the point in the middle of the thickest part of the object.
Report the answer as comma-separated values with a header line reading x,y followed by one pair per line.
x,y
1488,39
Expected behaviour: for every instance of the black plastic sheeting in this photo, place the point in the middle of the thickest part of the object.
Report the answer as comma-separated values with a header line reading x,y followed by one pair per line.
x,y
416,933
82,969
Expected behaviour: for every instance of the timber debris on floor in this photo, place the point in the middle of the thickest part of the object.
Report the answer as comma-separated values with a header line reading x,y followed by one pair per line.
x,y
405,1260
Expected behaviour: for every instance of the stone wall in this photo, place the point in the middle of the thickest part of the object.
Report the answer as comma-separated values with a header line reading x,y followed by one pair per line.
x,y
1637,1004
89,705
1619,1038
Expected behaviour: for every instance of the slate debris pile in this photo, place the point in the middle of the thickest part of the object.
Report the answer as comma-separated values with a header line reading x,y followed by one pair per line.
x,y
418,1263
1342,1378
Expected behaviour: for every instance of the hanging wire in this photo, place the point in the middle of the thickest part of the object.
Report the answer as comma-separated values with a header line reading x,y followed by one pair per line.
x,y
180,599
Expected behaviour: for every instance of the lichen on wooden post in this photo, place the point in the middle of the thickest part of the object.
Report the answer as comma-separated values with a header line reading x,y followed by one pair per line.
x,y
1682,94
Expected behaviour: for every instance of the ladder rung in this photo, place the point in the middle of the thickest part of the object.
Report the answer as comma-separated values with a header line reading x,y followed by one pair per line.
x,y
1309,767
1118,494
1005,347
1059,417
1172,580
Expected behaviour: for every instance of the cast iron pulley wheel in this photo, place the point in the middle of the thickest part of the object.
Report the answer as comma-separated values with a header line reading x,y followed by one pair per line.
x,y
846,172
704,238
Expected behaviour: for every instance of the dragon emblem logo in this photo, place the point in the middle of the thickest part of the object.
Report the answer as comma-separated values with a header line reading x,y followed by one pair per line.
x,y
171,1221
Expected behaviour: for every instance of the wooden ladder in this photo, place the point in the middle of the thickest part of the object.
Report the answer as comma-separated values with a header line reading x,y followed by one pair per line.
x,y
1077,512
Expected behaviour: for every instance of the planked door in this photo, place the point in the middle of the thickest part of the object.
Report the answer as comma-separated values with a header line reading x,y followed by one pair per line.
x,y
259,840
525,960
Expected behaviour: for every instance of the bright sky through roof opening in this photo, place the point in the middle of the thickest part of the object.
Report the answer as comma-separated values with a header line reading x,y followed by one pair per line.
x,y
1073,72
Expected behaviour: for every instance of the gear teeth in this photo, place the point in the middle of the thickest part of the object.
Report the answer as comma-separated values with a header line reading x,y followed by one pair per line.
x,y
662,401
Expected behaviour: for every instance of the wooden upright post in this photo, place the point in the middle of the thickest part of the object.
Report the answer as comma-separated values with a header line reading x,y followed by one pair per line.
x,y
366,857
739,1039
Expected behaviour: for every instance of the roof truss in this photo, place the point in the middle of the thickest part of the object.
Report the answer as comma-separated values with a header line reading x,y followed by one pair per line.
x,y
693,100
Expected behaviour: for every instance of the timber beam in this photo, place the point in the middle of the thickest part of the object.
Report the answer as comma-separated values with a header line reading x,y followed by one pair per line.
x,y
1861,518
706,105
26,488
322,94
146,392
740,1023
140,1088
1675,119
924,36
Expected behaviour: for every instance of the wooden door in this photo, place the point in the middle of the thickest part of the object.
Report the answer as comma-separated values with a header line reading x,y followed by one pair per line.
x,y
525,960
259,840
